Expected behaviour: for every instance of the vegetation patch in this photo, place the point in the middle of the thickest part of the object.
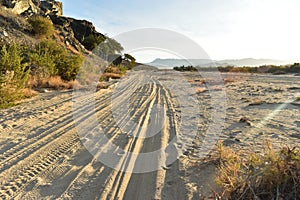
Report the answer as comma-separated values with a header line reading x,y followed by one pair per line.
x,y
24,67
270,175
41,26
273,69
13,74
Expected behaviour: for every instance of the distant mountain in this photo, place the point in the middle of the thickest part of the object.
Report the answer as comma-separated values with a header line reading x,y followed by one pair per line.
x,y
251,62
170,63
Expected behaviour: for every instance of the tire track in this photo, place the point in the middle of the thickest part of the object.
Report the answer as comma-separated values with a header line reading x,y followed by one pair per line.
x,y
61,134
61,125
112,131
26,161
118,187
28,146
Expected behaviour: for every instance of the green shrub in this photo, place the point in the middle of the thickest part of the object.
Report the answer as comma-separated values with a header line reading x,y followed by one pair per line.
x,y
12,68
122,69
295,68
41,26
51,59
13,75
119,69
43,57
68,66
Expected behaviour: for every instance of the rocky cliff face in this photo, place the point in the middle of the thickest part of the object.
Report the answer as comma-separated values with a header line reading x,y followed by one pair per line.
x,y
69,31
51,8
32,7
27,7
80,28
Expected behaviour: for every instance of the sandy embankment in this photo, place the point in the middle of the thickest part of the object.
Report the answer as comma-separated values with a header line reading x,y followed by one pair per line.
x,y
42,156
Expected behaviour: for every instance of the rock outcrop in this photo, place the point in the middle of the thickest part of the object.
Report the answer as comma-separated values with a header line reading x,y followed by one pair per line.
x,y
51,8
27,7
33,7
80,28
69,31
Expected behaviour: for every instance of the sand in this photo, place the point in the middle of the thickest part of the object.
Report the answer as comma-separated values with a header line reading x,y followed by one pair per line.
x,y
44,156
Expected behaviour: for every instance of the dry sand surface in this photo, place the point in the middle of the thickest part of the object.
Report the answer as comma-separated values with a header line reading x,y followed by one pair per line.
x,y
42,156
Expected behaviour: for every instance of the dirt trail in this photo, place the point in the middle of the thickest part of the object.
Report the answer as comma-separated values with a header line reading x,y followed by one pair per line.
x,y
42,155
50,149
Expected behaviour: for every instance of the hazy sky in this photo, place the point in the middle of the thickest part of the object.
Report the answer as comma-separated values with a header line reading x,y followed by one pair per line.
x,y
229,29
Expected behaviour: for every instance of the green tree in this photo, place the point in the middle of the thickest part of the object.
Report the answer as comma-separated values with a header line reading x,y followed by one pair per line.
x,y
92,41
107,48
130,59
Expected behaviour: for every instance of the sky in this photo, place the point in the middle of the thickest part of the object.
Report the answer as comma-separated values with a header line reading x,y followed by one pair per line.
x,y
231,29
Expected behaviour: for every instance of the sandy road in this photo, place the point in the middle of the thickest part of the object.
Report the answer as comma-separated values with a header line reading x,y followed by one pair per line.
x,y
47,153
42,156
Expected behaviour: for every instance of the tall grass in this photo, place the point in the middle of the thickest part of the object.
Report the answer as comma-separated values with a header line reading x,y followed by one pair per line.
x,y
271,175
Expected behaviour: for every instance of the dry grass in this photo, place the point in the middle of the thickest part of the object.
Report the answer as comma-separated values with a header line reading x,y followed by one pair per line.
x,y
272,175
102,85
113,70
28,93
10,96
53,82
257,102
11,18
230,80
201,89
107,76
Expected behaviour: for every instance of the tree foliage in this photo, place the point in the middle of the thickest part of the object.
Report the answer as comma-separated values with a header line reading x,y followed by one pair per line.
x,y
92,41
107,48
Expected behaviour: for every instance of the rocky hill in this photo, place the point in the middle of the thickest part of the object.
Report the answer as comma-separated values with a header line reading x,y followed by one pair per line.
x,y
70,32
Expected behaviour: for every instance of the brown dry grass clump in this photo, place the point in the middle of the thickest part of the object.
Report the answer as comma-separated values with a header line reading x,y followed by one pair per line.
x,y
53,82
28,93
106,76
230,80
271,175
201,89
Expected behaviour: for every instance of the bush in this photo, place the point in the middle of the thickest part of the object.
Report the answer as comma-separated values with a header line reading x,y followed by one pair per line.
x,y
12,68
185,68
272,175
13,75
41,26
129,60
92,41
47,59
120,69
51,59
43,57
68,66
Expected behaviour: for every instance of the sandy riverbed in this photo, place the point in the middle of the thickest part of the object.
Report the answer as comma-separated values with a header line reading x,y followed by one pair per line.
x,y
44,156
